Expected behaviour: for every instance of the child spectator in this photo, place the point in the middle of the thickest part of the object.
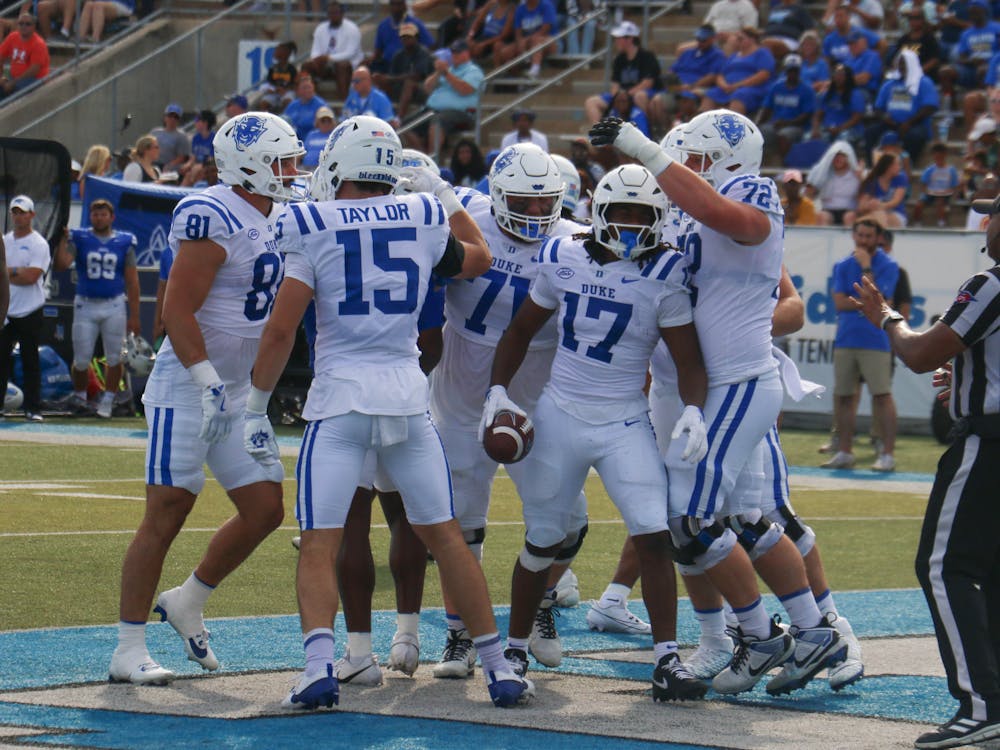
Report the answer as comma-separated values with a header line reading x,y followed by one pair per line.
x,y
278,88
799,209
974,173
940,181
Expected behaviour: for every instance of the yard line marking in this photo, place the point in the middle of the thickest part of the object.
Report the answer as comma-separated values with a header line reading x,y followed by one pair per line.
x,y
91,495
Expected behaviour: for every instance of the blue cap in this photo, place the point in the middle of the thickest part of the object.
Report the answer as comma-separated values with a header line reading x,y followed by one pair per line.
x,y
239,100
443,54
889,138
174,109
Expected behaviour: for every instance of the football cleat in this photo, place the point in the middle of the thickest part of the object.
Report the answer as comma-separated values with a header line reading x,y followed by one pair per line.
x,y
296,541
363,671
813,648
711,657
884,462
960,731
314,690
544,642
508,689
404,654
673,682
518,660
459,657
615,618
850,669
138,668
106,405
189,626
568,590
752,657
840,460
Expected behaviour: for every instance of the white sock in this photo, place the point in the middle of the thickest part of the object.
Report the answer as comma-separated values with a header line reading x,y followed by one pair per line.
x,y
754,620
662,648
318,644
195,592
826,604
490,650
359,645
454,621
712,623
518,643
801,608
535,70
131,635
615,593
408,623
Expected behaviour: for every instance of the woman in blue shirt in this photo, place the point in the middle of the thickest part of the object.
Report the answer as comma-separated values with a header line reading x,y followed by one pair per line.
x,y
840,109
624,108
883,193
743,82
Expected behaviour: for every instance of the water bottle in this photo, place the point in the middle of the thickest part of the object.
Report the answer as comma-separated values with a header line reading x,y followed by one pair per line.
x,y
944,125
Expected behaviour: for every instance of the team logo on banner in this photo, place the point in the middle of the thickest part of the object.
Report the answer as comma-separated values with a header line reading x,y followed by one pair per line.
x,y
248,131
730,128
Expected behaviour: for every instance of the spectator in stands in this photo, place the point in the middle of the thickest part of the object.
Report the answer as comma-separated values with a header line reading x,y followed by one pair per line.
x,y
976,45
786,22
569,13
728,18
624,108
365,99
202,149
882,197
27,54
840,110
523,131
581,153
866,14
836,180
407,71
974,174
534,22
175,145
890,144
921,39
336,51
145,154
987,107
455,26
97,162
984,138
792,103
864,63
952,22
905,105
815,68
467,164
96,13
453,94
237,104
316,138
634,70
492,27
799,208
278,88
836,43
301,111
744,80
50,11
388,39
940,181
690,75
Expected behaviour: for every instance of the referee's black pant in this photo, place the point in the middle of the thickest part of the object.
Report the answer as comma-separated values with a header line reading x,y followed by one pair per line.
x,y
958,564
27,331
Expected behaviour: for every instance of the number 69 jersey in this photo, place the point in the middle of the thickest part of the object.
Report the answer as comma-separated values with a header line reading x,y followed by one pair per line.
x,y
734,286
609,321
239,301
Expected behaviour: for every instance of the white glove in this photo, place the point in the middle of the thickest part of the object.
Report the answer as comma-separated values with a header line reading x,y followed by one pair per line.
x,y
258,438
426,180
496,401
216,417
692,421
628,139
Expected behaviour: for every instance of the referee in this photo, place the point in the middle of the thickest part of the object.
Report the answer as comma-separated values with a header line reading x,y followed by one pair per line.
x,y
958,560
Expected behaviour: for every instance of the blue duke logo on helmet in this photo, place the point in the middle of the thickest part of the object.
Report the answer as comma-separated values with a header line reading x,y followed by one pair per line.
x,y
503,161
248,131
730,128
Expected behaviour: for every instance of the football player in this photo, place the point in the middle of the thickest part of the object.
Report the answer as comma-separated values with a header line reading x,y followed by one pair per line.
x,y
367,256
732,232
225,274
615,293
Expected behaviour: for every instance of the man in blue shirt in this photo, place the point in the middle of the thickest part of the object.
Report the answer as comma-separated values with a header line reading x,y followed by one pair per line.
x,y
861,351
388,33
365,99
905,107
977,45
864,63
534,22
453,94
792,103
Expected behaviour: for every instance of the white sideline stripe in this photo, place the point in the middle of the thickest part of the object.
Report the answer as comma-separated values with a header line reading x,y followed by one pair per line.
x,y
91,495
382,526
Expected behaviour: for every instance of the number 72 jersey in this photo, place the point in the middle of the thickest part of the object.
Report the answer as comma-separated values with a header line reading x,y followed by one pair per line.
x,y
244,288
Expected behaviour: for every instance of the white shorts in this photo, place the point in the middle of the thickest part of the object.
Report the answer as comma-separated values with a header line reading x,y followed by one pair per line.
x,y
332,462
729,479
175,457
625,456
93,316
373,476
775,491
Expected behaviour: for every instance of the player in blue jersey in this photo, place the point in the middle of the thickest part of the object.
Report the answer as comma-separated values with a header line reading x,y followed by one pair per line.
x,y
106,276
367,256
615,293
225,274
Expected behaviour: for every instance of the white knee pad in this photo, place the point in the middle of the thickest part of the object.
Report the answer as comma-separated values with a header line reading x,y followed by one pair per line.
x,y
534,563
755,533
800,533
701,544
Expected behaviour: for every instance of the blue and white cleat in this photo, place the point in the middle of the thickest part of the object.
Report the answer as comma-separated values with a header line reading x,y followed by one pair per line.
x,y
314,690
814,647
138,668
507,689
189,626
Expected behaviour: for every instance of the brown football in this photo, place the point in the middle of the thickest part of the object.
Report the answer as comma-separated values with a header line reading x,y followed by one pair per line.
x,y
509,438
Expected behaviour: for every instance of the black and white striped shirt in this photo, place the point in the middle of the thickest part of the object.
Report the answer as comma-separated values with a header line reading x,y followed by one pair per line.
x,y
975,317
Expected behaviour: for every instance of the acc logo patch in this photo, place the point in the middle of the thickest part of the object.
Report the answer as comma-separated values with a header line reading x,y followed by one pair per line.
x,y
730,128
565,273
253,234
248,131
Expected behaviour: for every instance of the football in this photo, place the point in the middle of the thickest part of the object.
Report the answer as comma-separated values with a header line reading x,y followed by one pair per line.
x,y
509,438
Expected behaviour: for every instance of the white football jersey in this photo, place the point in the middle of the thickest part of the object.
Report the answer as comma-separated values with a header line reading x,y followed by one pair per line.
x,y
480,309
369,263
239,301
609,319
734,287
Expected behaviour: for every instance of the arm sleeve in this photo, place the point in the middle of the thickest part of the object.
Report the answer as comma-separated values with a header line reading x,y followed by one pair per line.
x,y
452,259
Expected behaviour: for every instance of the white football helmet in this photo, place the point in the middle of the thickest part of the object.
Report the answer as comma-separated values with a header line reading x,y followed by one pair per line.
x,y
733,144
247,146
361,149
521,174
630,183
413,158
14,398
138,355
571,179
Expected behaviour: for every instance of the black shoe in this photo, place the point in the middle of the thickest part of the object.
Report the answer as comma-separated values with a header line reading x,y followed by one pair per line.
x,y
960,731
518,660
673,682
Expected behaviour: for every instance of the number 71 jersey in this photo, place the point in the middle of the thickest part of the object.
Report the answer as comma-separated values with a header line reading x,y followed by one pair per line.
x,y
243,291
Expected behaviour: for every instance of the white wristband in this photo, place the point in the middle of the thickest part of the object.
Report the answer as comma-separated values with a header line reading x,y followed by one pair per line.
x,y
654,158
257,401
452,205
204,374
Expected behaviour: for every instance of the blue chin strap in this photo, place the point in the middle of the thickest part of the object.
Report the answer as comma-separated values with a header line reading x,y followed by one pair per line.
x,y
630,240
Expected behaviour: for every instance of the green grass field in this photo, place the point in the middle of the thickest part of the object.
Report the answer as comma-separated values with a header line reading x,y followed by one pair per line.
x,y
69,512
